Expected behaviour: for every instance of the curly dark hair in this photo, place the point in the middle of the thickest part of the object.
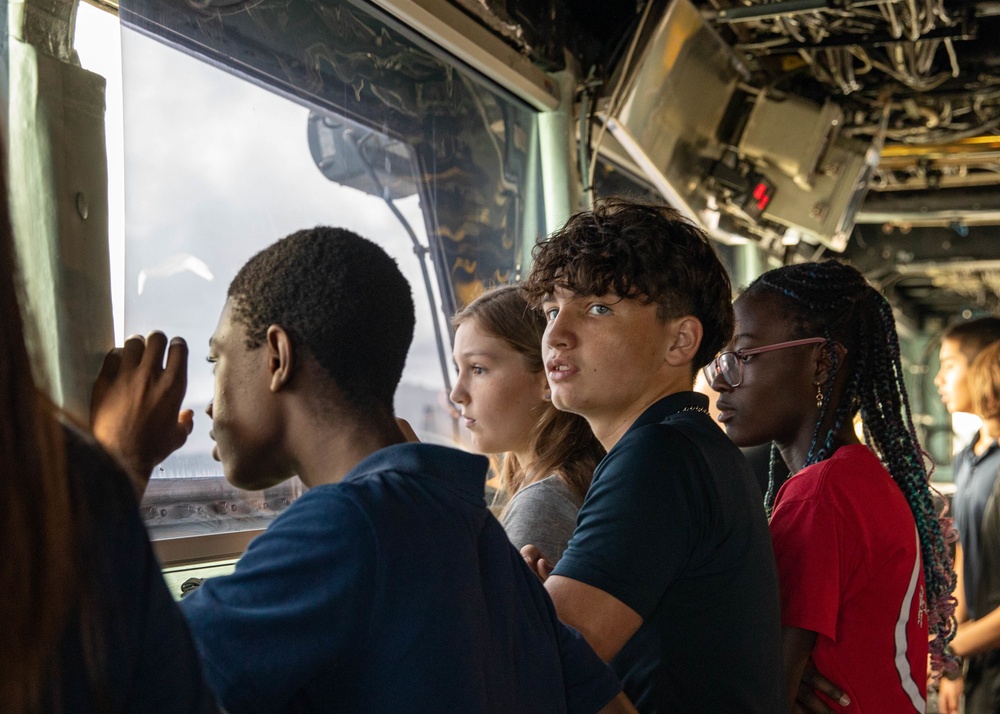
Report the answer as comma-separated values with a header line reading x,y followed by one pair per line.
x,y
641,251
339,296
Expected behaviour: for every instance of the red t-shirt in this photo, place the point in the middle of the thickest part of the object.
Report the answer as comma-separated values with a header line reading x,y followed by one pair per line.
x,y
850,570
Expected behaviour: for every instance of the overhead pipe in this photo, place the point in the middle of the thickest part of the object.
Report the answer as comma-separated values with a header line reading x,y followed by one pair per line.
x,y
938,208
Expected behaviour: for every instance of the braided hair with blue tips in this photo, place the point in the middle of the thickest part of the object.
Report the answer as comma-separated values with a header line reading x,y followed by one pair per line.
x,y
833,300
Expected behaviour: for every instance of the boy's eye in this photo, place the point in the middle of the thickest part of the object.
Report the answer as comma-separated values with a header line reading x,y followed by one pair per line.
x,y
478,369
550,313
600,309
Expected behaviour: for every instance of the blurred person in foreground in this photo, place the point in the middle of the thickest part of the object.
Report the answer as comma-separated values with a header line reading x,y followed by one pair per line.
x,y
86,622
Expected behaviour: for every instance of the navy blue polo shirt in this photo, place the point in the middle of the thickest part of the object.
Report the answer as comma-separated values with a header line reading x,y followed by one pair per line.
x,y
392,591
974,480
673,526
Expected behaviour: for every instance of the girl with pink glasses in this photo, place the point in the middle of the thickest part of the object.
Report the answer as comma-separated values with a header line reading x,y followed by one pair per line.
x,y
863,560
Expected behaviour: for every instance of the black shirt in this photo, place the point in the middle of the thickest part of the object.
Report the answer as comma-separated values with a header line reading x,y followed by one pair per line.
x,y
674,527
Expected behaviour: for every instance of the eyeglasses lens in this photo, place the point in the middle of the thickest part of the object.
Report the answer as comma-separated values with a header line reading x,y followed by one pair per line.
x,y
729,368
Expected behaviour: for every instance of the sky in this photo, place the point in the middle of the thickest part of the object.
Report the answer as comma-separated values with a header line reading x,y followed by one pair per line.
x,y
205,170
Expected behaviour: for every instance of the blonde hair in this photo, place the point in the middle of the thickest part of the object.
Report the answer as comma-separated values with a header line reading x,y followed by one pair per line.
x,y
561,443
984,382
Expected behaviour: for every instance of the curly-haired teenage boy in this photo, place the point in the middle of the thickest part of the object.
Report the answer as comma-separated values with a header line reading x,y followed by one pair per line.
x,y
387,587
670,574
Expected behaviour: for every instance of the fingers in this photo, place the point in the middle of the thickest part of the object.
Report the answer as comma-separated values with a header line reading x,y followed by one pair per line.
x,y
149,351
185,425
109,370
132,351
185,421
811,703
175,374
539,565
111,364
531,555
544,568
136,403
950,695
152,357
817,681
177,359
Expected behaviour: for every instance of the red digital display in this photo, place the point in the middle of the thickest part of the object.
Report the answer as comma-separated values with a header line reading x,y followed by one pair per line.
x,y
761,195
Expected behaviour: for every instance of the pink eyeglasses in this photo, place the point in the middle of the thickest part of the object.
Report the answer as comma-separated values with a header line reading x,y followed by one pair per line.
x,y
730,364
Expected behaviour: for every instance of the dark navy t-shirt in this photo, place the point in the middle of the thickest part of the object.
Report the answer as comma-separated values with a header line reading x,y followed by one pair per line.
x,y
392,591
674,527
148,662
975,477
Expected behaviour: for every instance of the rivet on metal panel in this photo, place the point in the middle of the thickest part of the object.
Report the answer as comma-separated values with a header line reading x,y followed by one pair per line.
x,y
82,205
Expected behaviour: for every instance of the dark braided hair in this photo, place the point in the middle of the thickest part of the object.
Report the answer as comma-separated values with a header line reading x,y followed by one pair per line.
x,y
833,300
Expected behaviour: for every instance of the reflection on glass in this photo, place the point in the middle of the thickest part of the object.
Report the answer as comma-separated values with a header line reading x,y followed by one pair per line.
x,y
433,165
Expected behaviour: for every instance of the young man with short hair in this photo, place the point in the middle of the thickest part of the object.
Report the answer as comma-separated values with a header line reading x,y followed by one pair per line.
x,y
670,574
388,586
974,471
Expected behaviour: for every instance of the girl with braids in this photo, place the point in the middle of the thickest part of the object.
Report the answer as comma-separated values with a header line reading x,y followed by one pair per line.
x,y
863,558
545,458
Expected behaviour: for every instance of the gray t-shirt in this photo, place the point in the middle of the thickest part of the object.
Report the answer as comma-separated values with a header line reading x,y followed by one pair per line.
x,y
543,514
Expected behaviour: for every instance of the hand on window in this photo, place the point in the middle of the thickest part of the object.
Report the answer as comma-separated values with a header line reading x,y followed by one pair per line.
x,y
135,410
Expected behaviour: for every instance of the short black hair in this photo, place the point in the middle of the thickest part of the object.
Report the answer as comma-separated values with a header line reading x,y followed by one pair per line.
x,y
339,296
973,336
645,251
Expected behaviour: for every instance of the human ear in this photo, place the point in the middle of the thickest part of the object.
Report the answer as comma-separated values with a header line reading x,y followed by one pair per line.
x,y
686,339
831,355
280,360
544,390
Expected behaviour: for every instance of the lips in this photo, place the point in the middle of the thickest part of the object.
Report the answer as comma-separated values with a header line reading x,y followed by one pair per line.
x,y
560,369
726,412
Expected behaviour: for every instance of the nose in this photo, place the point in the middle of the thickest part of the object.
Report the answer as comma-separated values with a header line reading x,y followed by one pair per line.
x,y
719,383
459,394
208,409
558,332
939,379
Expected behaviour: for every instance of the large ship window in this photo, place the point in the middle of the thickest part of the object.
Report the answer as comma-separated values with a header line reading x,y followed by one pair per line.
x,y
236,135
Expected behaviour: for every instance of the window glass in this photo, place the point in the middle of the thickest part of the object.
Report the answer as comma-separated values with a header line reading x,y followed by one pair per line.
x,y
225,152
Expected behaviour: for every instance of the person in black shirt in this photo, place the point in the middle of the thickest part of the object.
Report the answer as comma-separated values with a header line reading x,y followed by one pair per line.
x,y
670,574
